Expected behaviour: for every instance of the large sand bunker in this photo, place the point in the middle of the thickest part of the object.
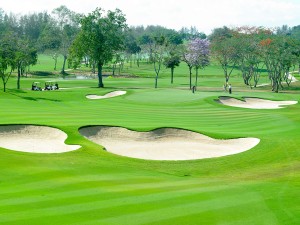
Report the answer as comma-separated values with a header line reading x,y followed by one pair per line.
x,y
37,139
108,95
255,103
164,143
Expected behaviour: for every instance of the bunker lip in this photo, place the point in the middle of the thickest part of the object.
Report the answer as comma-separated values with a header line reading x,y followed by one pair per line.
x,y
254,103
34,139
164,143
108,95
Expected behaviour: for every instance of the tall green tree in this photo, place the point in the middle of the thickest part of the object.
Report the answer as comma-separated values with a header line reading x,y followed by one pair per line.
x,y
101,36
249,52
171,62
159,50
220,33
32,25
7,58
224,51
68,24
279,58
295,33
25,55
172,59
131,46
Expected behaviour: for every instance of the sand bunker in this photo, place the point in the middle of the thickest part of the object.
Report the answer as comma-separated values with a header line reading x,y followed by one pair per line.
x,y
108,95
37,139
255,103
164,143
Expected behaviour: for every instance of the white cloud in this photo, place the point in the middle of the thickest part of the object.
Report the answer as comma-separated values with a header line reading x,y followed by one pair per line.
x,y
203,14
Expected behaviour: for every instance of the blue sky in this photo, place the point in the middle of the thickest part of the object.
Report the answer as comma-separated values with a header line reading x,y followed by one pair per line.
x,y
205,15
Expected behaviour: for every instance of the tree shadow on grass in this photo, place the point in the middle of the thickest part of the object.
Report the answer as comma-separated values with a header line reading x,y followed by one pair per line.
x,y
42,73
15,91
114,88
292,88
39,99
34,98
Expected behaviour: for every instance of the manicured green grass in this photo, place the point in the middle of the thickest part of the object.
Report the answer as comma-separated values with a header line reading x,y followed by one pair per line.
x,y
92,186
45,63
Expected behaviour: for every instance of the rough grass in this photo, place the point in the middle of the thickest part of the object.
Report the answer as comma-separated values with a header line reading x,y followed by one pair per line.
x,y
91,186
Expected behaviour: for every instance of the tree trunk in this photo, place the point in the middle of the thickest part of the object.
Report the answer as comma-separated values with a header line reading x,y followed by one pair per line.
x,y
196,83
4,83
100,84
156,79
190,68
64,64
157,69
114,69
55,63
226,79
276,86
19,78
119,69
27,71
94,68
172,75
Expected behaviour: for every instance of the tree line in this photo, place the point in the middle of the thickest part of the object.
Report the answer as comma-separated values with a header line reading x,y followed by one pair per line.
x,y
252,50
101,37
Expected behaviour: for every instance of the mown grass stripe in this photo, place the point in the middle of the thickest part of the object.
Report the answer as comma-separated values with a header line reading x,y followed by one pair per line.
x,y
86,189
58,181
258,213
159,214
25,213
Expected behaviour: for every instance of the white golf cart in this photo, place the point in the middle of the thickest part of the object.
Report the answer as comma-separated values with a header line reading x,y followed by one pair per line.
x,y
36,86
51,85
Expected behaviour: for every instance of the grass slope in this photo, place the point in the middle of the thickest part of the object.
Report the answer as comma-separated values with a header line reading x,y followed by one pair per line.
x,y
91,186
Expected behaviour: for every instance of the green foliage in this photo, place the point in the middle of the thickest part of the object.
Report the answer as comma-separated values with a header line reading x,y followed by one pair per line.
x,y
172,61
99,38
224,51
25,56
279,56
7,58
68,27
220,33
31,26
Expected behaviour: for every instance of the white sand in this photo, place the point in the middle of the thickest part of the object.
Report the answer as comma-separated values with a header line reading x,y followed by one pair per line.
x,y
37,139
164,143
255,103
292,78
108,95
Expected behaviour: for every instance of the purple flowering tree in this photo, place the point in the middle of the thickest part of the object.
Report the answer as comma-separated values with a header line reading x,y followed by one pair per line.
x,y
196,55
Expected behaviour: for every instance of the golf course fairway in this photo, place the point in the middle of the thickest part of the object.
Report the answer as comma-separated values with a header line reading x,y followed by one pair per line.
x,y
91,186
